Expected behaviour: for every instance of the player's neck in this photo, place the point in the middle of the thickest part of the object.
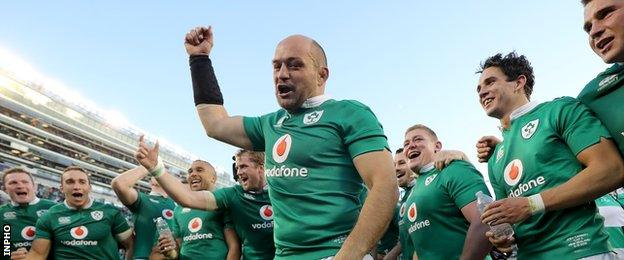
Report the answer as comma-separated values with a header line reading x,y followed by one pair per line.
x,y
518,108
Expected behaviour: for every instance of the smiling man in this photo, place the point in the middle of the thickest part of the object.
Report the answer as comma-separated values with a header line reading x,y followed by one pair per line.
x,y
24,209
202,234
248,204
555,159
79,228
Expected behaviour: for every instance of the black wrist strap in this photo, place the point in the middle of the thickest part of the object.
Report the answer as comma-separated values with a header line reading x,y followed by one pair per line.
x,y
205,86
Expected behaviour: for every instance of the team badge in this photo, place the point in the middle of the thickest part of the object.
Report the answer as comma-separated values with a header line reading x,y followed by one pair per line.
x,y
41,212
411,212
281,148
266,212
79,232
64,220
529,129
195,225
97,214
10,215
28,232
429,179
311,118
513,172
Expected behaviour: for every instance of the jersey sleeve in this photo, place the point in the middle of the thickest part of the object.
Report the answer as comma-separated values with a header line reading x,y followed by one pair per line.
x,y
462,182
43,227
362,132
136,206
119,224
253,129
223,196
578,126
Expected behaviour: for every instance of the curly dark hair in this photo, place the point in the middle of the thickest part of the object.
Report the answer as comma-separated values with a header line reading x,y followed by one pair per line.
x,y
585,2
512,66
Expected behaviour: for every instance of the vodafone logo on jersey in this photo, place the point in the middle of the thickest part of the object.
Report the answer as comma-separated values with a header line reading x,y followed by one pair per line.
x,y
266,212
28,232
167,213
411,212
513,172
195,225
79,232
281,148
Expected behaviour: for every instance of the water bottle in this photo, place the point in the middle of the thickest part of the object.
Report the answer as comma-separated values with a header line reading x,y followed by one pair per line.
x,y
500,230
163,230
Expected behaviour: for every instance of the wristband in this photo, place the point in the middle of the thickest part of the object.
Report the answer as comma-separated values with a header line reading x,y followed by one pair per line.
x,y
158,170
205,86
536,204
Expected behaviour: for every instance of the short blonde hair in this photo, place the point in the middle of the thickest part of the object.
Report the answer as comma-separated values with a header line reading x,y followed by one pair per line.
x,y
18,169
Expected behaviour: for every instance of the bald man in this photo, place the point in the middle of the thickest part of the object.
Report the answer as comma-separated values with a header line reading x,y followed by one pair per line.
x,y
319,152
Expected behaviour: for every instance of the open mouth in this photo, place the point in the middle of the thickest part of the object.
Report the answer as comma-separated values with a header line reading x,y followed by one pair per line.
x,y
284,89
401,174
413,155
604,42
244,179
487,101
77,195
21,193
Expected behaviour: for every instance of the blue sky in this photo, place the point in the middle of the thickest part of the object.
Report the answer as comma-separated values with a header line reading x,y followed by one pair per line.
x,y
410,61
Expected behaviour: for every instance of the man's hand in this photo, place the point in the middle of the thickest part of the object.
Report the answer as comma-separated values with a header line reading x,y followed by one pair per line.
x,y
485,147
503,244
509,210
147,156
443,158
167,246
20,253
199,41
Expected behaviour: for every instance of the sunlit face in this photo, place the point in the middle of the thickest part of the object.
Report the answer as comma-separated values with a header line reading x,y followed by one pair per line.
x,y
20,187
604,24
496,94
250,174
295,75
419,147
404,174
201,176
76,187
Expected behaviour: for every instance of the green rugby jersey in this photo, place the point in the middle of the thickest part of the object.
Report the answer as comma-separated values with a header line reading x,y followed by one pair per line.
x,y
538,153
604,95
252,218
22,220
201,233
437,226
88,233
145,210
313,184
613,213
407,248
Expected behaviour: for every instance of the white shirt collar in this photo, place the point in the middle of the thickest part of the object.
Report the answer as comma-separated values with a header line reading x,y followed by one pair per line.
x,y
426,168
264,188
522,110
153,193
89,204
315,101
33,202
